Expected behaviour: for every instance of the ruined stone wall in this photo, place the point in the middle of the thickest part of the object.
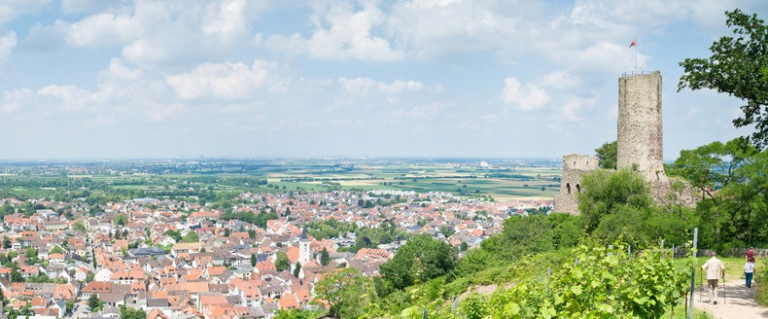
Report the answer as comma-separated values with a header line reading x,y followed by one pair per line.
x,y
574,166
640,145
640,127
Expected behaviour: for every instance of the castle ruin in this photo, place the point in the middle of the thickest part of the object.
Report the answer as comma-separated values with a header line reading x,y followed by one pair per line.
x,y
640,145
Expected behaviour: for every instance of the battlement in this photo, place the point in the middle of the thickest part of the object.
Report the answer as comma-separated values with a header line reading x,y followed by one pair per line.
x,y
579,162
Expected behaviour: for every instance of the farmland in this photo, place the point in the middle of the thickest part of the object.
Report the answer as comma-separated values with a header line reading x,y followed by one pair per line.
x,y
500,180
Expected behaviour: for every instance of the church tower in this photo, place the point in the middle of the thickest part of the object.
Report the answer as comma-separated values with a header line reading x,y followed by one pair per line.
x,y
305,254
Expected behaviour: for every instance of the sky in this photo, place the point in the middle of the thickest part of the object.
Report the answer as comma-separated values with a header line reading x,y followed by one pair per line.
x,y
97,79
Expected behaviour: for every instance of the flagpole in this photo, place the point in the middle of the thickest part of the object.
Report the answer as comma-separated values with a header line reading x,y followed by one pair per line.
x,y
635,54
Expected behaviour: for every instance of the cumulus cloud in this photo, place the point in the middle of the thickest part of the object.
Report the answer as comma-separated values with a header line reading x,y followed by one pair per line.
x,y
156,32
341,32
12,9
527,97
556,92
222,80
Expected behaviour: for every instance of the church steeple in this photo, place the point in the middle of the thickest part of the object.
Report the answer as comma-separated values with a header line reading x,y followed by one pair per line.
x,y
305,254
304,234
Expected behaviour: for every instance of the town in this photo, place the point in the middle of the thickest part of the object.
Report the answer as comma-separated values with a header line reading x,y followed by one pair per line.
x,y
257,253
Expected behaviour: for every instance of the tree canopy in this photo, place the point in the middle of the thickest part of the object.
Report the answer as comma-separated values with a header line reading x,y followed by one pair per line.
x,y
607,155
739,67
422,258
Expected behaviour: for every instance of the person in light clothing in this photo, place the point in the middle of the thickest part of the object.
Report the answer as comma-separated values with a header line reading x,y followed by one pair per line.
x,y
715,270
749,270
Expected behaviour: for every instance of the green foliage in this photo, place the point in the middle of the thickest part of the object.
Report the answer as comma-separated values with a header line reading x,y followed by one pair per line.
x,y
521,236
79,226
346,293
132,313
94,303
614,204
175,234
737,67
607,155
259,220
325,258
604,193
297,269
419,260
366,237
190,237
297,314
728,218
761,283
56,250
121,220
6,242
281,261
601,283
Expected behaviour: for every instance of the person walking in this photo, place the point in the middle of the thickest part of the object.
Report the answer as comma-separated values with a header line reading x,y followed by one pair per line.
x,y
749,270
750,254
715,270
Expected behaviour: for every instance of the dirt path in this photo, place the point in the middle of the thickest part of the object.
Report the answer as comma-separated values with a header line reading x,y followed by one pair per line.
x,y
739,302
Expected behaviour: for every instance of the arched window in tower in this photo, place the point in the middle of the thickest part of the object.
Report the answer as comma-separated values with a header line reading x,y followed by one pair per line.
x,y
578,188
568,187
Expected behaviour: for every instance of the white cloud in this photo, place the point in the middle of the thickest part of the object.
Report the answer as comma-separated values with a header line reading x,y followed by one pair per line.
x,y
101,30
152,32
69,97
11,9
7,43
363,86
527,97
14,100
349,35
222,80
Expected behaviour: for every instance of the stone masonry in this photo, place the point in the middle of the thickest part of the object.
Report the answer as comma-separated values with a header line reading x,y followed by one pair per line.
x,y
640,146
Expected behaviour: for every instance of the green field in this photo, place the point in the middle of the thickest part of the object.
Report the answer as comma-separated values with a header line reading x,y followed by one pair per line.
x,y
511,181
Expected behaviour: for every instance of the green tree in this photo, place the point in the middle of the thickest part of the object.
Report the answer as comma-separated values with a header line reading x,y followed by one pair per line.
x,y
297,269
94,302
607,155
79,226
191,237
346,293
419,260
70,305
739,67
6,242
325,257
253,260
522,236
56,250
131,313
16,275
175,234
604,193
281,261
464,246
121,220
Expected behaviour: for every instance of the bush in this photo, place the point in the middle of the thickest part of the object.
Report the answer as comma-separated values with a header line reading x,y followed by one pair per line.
x,y
761,283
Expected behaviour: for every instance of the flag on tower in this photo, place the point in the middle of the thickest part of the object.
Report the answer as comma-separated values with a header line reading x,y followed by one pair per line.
x,y
633,44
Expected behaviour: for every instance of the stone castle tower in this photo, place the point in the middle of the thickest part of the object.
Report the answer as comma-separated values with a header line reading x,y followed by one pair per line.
x,y
640,128
640,144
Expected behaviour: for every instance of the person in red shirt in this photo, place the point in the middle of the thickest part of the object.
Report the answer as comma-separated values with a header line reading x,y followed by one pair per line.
x,y
751,254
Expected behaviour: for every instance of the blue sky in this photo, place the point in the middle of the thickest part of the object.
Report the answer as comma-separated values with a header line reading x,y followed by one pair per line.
x,y
416,78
